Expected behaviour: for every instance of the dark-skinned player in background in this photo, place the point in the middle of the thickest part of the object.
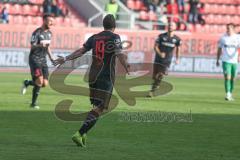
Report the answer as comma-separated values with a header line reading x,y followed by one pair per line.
x,y
164,47
40,47
105,46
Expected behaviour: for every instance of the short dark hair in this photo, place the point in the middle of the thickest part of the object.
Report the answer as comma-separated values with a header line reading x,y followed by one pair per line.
x,y
45,16
109,22
231,24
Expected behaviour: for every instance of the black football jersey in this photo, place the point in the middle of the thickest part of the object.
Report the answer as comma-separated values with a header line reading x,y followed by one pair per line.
x,y
38,36
167,44
105,45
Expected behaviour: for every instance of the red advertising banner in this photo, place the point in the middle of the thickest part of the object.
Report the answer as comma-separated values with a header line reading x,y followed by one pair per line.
x,y
73,38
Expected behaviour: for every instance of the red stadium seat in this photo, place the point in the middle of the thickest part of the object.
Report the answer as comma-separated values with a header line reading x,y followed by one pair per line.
x,y
35,10
138,5
210,19
223,9
18,19
214,8
39,1
39,20
143,15
153,16
27,10
59,21
222,28
227,19
235,19
67,22
218,19
232,9
207,8
210,1
200,28
131,4
16,9
27,20
206,28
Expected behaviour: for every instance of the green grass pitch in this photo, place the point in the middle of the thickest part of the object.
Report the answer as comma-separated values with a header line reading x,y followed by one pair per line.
x,y
213,134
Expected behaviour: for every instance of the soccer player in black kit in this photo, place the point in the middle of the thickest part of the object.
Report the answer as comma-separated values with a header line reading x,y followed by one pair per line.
x,y
164,47
40,47
106,46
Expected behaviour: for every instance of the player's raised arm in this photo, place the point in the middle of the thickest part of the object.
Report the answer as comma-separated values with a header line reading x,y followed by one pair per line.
x,y
76,54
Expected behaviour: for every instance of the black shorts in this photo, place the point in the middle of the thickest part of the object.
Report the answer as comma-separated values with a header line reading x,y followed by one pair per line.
x,y
101,92
159,70
160,66
38,70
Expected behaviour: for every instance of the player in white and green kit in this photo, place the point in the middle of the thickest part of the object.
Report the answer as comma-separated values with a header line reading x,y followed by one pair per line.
x,y
228,51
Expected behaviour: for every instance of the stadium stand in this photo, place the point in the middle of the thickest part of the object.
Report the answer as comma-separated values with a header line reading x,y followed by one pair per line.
x,y
217,13
29,12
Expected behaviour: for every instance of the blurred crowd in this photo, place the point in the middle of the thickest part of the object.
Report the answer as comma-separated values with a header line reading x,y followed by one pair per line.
x,y
177,11
178,7
55,7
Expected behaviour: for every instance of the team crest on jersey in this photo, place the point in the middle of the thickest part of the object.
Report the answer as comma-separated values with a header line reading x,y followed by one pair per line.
x,y
165,38
117,41
42,36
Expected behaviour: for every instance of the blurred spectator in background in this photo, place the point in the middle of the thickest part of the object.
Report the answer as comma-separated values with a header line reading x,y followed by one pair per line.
x,y
193,11
47,7
153,5
112,8
172,9
62,7
4,15
161,7
201,12
56,11
181,6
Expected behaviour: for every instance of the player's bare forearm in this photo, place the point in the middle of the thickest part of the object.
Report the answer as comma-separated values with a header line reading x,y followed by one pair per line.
x,y
219,53
78,53
123,60
159,52
157,49
74,55
36,45
50,55
178,53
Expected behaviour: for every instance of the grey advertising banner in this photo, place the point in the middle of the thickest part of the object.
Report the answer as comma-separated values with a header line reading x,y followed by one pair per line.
x,y
19,58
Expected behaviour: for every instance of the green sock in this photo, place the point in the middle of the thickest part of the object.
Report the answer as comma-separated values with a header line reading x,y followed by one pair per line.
x,y
227,85
232,86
